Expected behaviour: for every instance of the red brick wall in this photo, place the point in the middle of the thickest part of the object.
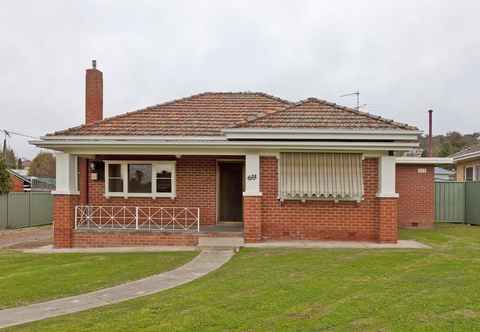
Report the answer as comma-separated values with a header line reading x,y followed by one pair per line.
x,y
196,187
63,219
319,220
131,239
264,216
416,205
16,184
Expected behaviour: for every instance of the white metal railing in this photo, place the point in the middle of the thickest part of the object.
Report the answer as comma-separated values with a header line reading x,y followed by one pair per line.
x,y
144,218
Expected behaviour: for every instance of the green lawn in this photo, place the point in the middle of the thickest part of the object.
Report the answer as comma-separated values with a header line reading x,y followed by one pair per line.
x,y
28,278
314,290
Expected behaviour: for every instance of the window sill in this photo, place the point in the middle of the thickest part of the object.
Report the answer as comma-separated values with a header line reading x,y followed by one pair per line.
x,y
321,199
146,195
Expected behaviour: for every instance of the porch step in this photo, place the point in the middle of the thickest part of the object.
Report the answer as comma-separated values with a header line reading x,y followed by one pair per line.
x,y
220,242
225,234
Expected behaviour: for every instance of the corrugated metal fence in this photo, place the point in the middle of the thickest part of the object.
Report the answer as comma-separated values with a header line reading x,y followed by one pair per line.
x,y
24,209
457,202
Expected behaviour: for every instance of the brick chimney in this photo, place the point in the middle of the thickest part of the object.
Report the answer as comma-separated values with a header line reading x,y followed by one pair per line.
x,y
93,94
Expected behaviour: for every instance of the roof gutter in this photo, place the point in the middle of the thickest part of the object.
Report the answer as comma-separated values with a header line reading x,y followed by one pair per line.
x,y
467,156
424,160
94,144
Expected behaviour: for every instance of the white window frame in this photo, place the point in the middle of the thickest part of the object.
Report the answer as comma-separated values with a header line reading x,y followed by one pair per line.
x,y
124,171
465,174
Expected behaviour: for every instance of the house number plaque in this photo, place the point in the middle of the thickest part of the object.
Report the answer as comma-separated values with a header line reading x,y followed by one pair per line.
x,y
252,177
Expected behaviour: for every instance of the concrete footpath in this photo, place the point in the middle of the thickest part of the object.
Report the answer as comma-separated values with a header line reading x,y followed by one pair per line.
x,y
206,262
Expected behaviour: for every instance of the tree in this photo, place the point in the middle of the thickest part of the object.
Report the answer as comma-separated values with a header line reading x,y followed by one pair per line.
x,y
43,165
19,163
9,157
5,183
450,143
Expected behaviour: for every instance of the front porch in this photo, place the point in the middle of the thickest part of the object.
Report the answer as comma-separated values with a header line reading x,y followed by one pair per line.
x,y
149,200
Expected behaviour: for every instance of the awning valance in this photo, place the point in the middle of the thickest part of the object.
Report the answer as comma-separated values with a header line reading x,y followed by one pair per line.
x,y
305,175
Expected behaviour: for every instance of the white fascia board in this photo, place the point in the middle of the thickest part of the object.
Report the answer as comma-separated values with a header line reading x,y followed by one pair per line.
x,y
320,134
119,146
424,160
467,156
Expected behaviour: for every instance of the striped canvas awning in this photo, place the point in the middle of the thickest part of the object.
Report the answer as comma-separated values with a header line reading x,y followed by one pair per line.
x,y
305,175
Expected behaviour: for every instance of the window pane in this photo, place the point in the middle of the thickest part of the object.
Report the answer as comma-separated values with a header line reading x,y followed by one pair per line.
x,y
115,171
139,178
469,174
164,182
115,185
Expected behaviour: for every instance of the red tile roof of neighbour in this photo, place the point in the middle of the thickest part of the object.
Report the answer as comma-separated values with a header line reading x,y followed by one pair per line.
x,y
316,113
206,114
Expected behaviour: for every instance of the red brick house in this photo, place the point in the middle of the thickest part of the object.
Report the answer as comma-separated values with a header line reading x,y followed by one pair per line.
x,y
18,182
170,173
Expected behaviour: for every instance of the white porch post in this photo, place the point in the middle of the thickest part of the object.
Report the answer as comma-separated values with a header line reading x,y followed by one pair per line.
x,y
252,175
66,174
386,177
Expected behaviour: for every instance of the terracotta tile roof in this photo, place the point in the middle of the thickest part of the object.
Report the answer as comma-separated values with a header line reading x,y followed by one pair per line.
x,y
316,113
204,114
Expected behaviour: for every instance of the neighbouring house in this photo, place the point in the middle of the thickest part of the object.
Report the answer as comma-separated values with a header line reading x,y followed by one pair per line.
x,y
22,182
174,172
467,163
444,175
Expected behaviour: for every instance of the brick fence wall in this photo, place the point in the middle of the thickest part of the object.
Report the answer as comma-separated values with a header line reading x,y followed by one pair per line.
x,y
131,239
416,186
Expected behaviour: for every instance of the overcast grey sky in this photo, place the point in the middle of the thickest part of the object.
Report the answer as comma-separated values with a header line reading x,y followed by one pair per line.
x,y
404,56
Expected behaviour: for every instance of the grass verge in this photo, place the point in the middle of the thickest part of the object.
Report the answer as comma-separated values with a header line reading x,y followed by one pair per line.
x,y
29,278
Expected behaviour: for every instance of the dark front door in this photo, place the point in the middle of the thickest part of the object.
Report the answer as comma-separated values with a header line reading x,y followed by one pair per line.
x,y
230,192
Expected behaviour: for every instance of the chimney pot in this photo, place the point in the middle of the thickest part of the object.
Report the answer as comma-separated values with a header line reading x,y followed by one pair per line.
x,y
94,64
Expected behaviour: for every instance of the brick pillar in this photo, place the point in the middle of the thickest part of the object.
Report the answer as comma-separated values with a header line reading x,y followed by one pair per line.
x,y
63,220
252,218
387,219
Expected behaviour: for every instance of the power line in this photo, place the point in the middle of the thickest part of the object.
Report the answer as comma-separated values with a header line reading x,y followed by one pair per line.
x,y
9,132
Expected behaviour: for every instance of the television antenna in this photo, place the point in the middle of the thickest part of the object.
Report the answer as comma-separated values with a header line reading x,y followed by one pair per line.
x,y
357,94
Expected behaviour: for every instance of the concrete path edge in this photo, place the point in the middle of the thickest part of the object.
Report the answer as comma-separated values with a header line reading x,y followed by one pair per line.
x,y
206,262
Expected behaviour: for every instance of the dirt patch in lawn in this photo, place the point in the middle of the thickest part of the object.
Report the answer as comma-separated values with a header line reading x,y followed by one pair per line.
x,y
23,238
